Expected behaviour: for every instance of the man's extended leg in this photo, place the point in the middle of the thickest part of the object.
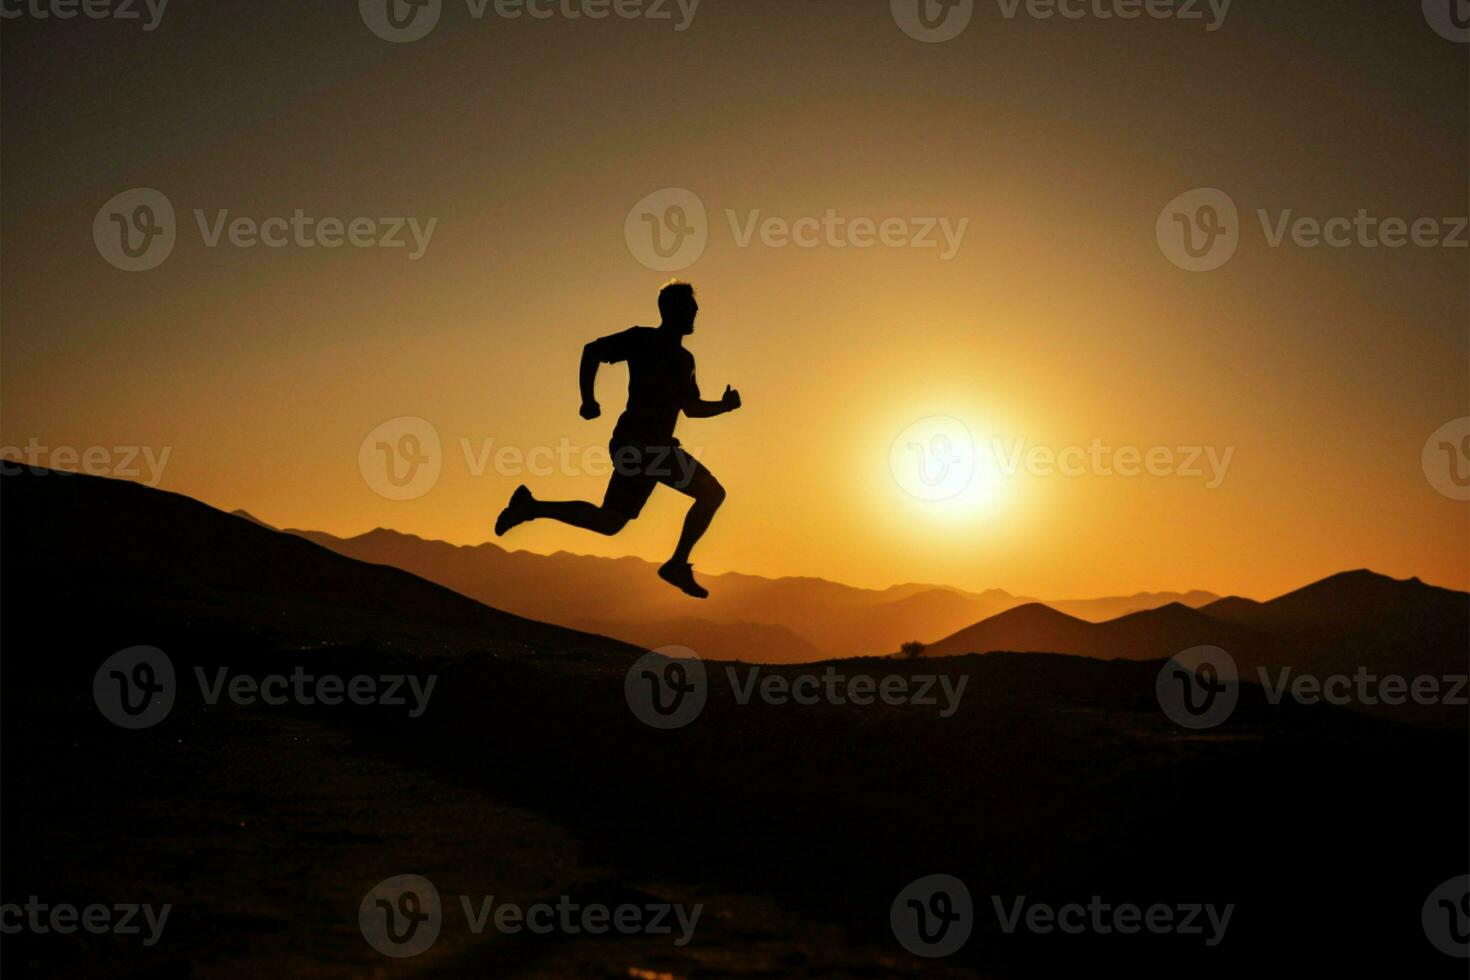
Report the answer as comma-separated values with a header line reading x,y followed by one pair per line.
x,y
628,489
691,479
578,513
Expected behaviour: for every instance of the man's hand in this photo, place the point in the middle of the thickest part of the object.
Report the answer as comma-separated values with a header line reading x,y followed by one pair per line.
x,y
731,401
591,410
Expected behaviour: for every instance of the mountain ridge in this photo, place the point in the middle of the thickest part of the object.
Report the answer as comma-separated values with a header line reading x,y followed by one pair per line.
x,y
814,616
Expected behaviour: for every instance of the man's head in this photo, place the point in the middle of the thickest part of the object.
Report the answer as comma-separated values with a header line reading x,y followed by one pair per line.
x,y
677,306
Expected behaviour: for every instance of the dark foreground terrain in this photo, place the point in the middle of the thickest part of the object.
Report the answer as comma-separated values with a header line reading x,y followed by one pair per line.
x,y
529,778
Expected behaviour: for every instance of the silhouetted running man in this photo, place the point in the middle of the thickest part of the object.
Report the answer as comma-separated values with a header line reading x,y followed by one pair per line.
x,y
661,384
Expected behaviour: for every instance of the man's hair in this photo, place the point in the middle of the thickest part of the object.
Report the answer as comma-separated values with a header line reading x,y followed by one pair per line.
x,y
675,294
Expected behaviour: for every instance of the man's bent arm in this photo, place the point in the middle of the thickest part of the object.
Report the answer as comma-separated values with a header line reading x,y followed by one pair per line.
x,y
701,409
588,374
698,408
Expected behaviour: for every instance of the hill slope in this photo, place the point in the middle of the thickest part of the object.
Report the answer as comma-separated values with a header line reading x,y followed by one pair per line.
x,y
76,527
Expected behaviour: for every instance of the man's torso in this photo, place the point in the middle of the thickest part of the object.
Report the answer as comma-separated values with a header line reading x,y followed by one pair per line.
x,y
660,382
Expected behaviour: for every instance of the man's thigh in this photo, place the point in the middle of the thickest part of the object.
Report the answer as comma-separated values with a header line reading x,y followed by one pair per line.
x,y
631,483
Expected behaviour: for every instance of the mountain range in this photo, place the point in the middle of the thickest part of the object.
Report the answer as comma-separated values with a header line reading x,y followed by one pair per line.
x,y
747,617
1346,622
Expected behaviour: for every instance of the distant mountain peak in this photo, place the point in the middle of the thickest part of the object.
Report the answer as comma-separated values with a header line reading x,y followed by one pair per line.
x,y
1359,581
1035,612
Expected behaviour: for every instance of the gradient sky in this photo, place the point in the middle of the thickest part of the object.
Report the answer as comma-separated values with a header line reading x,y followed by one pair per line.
x,y
1058,321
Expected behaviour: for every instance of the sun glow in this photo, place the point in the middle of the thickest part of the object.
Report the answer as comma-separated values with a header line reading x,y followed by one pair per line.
x,y
941,469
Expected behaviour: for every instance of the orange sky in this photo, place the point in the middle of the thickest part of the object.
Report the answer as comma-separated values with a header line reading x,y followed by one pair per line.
x,y
1058,321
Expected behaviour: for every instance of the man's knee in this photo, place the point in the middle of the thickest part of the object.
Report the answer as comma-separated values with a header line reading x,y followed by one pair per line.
x,y
713,493
610,522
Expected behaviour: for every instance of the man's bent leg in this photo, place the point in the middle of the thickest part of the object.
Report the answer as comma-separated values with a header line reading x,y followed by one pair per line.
x,y
695,481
